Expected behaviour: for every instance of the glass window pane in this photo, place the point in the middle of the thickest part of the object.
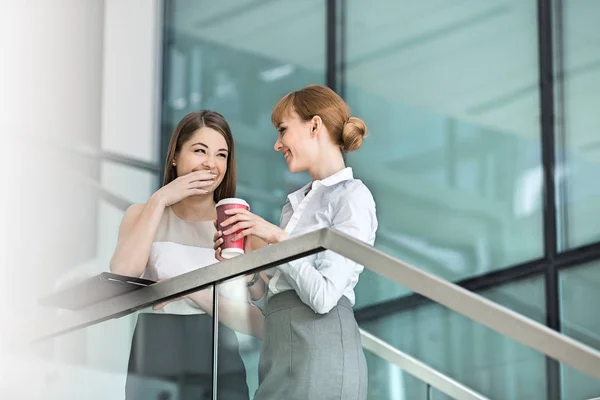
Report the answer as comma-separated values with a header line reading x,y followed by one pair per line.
x,y
240,58
578,122
468,352
449,91
579,297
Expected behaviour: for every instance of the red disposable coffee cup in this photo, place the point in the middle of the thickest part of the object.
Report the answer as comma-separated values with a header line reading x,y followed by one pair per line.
x,y
230,248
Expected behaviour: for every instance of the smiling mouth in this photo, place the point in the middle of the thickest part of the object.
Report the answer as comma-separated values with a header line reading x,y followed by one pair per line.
x,y
287,154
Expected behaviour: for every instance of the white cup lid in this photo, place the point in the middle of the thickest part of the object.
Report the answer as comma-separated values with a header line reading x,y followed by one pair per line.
x,y
232,200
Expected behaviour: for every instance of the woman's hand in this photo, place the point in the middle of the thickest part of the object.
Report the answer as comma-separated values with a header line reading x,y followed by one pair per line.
x,y
252,243
191,184
218,241
245,224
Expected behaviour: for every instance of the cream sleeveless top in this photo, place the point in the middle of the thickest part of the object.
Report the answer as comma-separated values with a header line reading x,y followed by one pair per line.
x,y
182,246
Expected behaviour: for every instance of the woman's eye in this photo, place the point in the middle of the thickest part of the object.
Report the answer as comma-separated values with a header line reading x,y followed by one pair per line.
x,y
199,150
223,155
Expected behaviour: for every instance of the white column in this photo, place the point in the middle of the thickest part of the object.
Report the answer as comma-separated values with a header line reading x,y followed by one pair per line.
x,y
50,93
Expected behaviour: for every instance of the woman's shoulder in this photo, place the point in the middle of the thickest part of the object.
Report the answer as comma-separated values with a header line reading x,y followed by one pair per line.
x,y
355,190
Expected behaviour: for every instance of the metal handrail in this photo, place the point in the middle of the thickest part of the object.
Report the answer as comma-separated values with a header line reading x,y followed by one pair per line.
x,y
471,305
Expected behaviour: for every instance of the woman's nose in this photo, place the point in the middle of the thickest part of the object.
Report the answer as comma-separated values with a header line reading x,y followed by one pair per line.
x,y
209,162
278,145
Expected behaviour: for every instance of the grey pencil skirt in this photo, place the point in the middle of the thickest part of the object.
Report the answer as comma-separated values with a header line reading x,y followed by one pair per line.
x,y
309,356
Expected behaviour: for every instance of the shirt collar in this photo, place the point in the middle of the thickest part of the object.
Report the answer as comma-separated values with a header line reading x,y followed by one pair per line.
x,y
340,176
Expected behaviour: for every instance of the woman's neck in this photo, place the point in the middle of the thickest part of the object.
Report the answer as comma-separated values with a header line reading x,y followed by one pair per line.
x,y
329,164
196,208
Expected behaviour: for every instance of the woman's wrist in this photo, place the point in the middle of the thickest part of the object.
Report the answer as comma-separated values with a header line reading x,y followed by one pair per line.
x,y
280,237
157,200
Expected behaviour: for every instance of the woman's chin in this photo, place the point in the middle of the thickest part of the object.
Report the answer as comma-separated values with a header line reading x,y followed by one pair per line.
x,y
291,168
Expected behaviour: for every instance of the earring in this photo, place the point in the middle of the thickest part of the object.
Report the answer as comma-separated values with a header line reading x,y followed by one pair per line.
x,y
174,164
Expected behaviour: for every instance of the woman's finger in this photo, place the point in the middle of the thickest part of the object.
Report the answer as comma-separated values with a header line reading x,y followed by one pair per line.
x,y
244,233
218,255
199,176
235,218
200,184
218,244
236,211
238,227
192,192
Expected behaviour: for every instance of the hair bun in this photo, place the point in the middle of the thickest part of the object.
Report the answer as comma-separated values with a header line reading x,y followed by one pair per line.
x,y
353,133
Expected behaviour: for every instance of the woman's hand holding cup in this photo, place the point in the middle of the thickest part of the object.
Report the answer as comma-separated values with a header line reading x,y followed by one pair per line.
x,y
242,223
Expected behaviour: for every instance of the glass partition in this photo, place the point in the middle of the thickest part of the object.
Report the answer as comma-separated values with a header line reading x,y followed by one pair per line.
x,y
472,354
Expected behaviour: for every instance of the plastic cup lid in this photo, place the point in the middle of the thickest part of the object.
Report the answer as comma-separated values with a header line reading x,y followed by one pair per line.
x,y
232,200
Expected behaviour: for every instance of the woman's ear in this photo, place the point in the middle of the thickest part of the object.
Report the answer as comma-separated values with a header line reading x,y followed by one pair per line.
x,y
316,123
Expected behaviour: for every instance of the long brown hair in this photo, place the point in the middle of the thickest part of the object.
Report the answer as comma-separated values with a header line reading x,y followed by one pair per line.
x,y
345,131
184,130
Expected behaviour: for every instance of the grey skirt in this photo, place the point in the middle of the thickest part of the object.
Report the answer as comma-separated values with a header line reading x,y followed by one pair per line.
x,y
309,356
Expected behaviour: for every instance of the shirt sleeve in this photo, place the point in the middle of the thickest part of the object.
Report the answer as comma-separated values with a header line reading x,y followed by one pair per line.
x,y
321,282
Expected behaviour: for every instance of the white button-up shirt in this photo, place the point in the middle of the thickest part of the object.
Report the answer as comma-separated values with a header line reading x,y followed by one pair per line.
x,y
320,280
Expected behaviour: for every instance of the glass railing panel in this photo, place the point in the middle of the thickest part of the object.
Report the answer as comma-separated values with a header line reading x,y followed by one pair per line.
x,y
474,355
241,330
164,353
470,353
389,382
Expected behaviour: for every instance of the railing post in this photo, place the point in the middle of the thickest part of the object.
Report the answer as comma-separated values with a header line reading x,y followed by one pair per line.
x,y
215,360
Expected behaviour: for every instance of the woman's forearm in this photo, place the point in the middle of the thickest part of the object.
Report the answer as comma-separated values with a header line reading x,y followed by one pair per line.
x,y
237,315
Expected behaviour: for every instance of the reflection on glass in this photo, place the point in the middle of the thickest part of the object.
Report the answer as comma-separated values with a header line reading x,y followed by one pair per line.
x,y
470,353
578,123
579,296
450,94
